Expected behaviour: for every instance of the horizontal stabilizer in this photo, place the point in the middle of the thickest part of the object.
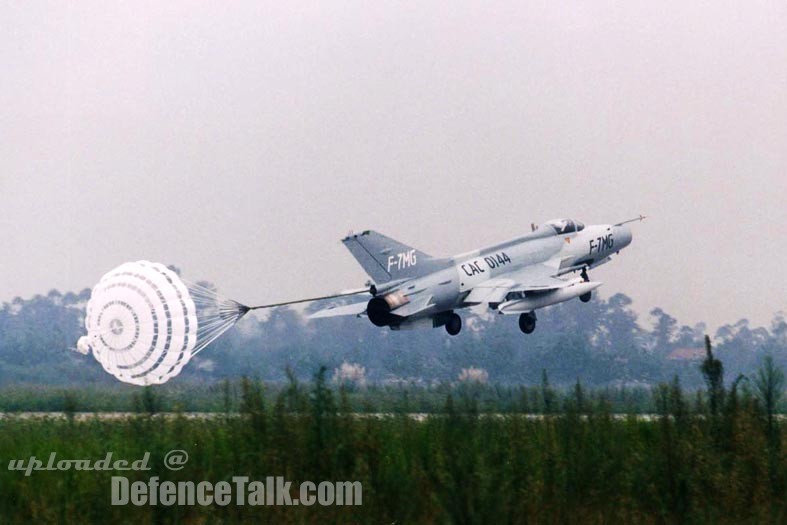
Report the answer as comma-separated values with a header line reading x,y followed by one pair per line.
x,y
356,309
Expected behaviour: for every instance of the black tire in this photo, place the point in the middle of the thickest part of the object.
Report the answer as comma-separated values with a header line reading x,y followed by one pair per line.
x,y
585,297
454,324
527,323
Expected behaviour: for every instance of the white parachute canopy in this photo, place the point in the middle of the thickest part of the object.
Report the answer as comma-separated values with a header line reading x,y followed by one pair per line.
x,y
144,323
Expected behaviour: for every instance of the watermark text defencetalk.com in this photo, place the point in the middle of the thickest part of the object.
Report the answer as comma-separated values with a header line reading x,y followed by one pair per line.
x,y
34,464
240,491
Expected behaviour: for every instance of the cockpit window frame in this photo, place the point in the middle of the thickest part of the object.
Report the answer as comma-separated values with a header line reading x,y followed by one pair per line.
x,y
565,226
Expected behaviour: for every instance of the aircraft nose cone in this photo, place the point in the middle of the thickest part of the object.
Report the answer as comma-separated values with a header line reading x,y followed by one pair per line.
x,y
622,237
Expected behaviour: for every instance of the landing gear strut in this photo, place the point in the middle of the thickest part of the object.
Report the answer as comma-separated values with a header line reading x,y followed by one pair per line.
x,y
454,324
585,297
527,322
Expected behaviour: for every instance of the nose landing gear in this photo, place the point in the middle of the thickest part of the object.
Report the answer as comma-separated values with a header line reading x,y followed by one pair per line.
x,y
527,322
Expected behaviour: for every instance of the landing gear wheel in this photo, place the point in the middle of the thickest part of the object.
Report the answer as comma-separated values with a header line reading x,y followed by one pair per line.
x,y
585,297
454,324
527,322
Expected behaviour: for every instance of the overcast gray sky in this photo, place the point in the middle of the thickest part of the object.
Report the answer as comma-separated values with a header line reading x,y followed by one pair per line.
x,y
242,142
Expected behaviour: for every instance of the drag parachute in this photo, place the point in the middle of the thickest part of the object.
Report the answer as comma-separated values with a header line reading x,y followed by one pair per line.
x,y
144,323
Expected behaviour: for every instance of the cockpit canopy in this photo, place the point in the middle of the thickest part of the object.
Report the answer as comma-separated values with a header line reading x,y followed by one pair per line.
x,y
562,226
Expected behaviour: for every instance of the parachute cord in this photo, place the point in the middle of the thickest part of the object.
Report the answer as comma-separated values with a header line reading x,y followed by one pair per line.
x,y
312,299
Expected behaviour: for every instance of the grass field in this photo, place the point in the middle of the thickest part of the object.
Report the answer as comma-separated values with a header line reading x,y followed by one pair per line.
x,y
691,464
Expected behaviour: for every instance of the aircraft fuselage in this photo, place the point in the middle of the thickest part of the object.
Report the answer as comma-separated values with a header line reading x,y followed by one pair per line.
x,y
413,289
450,286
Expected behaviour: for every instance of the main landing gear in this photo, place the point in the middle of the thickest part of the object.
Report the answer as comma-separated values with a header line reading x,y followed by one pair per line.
x,y
454,324
527,322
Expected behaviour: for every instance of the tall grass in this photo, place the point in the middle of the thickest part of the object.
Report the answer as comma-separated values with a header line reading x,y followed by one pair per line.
x,y
576,465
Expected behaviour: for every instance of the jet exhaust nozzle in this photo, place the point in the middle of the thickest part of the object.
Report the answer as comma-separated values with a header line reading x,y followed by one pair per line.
x,y
378,311
379,308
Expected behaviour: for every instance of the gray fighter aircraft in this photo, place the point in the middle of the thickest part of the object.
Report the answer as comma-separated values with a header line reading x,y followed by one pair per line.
x,y
411,289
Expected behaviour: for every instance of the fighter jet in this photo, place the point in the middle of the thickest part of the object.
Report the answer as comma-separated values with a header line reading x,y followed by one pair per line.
x,y
411,289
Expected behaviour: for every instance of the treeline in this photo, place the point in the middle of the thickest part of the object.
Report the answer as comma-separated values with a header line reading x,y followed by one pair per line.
x,y
712,456
601,343
226,397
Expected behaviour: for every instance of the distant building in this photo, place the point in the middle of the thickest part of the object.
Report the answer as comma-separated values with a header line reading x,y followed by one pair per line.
x,y
687,354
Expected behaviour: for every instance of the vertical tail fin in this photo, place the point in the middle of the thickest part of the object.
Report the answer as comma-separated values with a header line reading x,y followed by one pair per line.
x,y
385,259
